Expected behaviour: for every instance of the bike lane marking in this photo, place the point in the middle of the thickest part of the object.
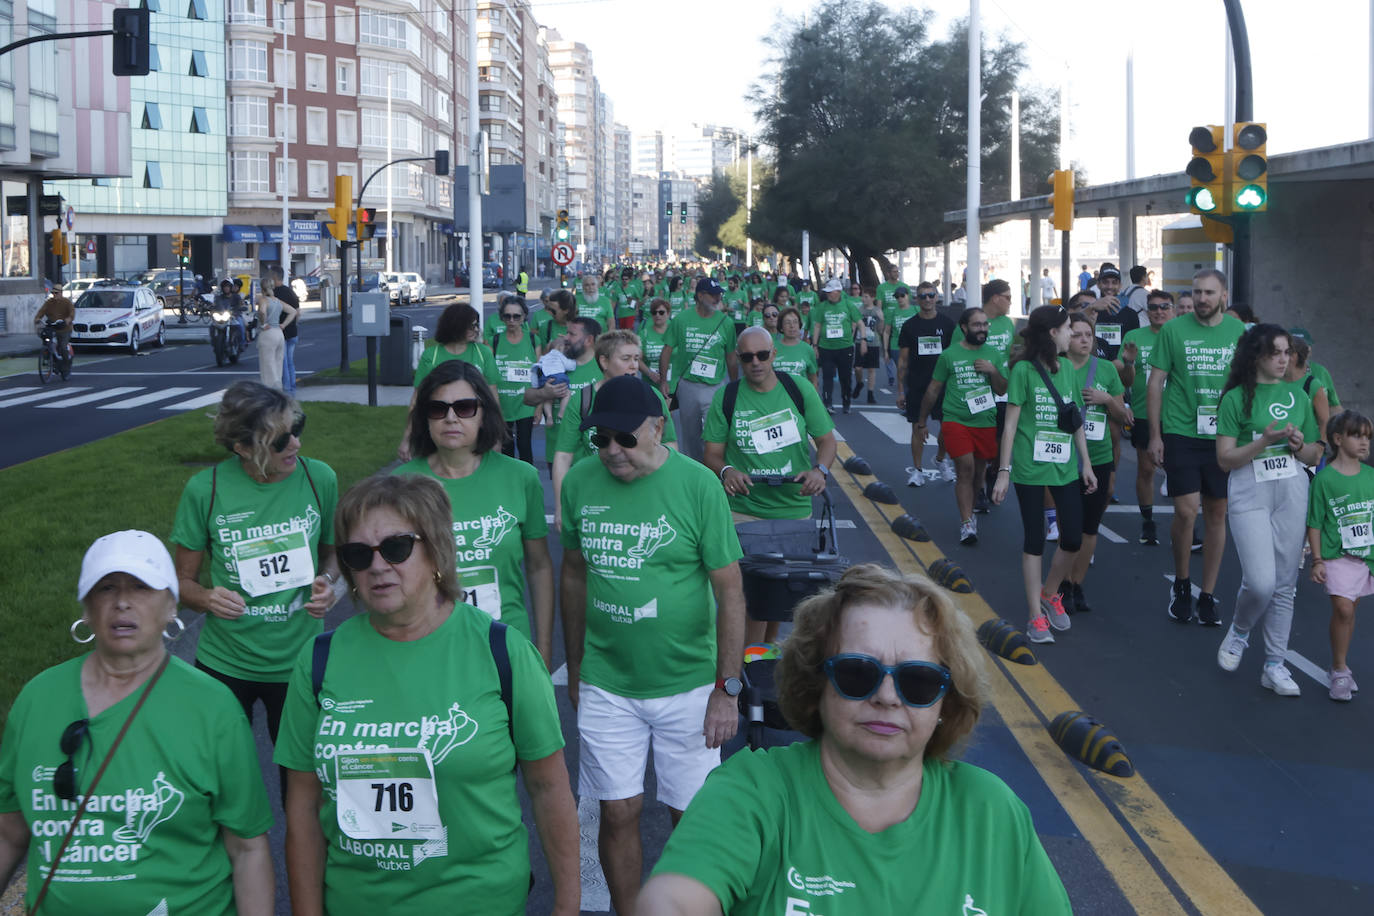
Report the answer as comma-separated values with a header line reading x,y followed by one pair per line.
x,y
1156,861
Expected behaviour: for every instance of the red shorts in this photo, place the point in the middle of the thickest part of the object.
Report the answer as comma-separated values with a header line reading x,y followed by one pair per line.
x,y
960,440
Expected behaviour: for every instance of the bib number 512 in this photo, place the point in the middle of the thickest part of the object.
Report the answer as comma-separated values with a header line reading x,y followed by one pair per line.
x,y
273,565
396,796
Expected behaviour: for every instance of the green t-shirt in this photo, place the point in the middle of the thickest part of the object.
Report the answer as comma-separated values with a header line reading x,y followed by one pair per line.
x,y
678,300
1342,509
654,538
1041,454
439,693
895,318
1144,340
967,397
768,837
266,533
603,309
1197,358
586,374
496,510
149,841
474,353
1001,333
1281,402
834,323
769,436
885,296
1096,427
700,345
1323,377
798,359
736,302
651,342
514,373
578,442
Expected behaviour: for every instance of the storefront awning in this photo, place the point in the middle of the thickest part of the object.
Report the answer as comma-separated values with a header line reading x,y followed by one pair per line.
x,y
242,234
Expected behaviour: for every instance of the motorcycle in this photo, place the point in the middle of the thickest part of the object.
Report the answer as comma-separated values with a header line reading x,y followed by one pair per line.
x,y
226,335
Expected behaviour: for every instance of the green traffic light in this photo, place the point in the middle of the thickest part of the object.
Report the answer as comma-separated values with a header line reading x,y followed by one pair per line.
x,y
562,233
1202,200
1250,197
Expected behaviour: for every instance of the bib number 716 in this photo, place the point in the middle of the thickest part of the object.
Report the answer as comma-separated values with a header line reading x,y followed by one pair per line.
x,y
396,796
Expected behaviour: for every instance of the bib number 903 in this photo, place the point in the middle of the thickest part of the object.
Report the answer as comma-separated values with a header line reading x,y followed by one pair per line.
x,y
396,796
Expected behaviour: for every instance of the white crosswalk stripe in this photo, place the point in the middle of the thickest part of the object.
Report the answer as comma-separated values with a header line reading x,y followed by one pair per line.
x,y
93,396
40,396
202,401
149,398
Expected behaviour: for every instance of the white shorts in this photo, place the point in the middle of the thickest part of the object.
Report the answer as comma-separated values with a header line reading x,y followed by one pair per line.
x,y
614,735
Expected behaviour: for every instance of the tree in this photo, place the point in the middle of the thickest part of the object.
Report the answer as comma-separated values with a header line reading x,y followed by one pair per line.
x,y
721,209
716,203
868,116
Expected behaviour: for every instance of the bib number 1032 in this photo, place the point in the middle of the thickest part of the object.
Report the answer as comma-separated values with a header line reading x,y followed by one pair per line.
x,y
393,796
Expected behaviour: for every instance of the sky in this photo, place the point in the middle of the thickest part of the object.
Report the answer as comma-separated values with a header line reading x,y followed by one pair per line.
x,y
672,62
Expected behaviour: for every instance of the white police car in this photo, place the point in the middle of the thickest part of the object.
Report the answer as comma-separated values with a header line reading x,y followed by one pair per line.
x,y
118,316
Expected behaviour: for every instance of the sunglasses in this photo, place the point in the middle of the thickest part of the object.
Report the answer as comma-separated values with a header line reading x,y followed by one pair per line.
x,y
463,409
760,355
280,443
397,548
770,314
1158,307
659,312
858,677
624,440
64,779
512,316
927,296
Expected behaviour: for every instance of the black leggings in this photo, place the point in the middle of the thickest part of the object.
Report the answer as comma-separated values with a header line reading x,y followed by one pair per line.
x,y
1068,503
1095,503
273,698
520,431
841,361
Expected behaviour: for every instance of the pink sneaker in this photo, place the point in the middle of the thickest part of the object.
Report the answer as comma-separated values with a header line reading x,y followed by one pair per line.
x,y
1038,630
1053,605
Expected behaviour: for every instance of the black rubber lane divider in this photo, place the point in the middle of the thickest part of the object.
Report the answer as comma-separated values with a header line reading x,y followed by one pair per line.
x,y
880,492
1003,638
910,528
947,573
858,466
1086,739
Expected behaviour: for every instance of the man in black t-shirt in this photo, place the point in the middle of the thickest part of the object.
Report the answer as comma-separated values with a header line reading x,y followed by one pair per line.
x,y
924,337
286,294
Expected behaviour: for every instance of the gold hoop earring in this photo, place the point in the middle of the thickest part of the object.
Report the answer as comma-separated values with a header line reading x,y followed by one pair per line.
x,y
72,630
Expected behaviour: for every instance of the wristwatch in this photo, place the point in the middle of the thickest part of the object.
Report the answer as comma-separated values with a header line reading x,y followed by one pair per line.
x,y
822,468
731,685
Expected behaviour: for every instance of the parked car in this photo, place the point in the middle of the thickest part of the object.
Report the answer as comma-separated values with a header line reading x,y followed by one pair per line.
x,y
312,289
74,288
490,279
419,290
396,288
169,286
118,316
371,281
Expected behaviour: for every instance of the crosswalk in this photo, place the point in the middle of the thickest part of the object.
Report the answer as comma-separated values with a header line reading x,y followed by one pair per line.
x,y
124,397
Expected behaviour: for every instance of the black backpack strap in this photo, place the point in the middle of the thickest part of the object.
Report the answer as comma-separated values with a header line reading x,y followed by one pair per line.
x,y
586,402
728,403
1307,384
305,466
319,660
496,636
210,510
793,392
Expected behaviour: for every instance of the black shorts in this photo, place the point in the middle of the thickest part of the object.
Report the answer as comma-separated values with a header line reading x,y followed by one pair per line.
x,y
914,397
1190,466
1140,433
868,359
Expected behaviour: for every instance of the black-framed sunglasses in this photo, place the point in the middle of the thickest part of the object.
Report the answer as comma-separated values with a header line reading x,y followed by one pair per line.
x,y
770,314
1158,306
858,677
927,296
659,312
280,443
397,548
463,408
513,316
760,355
624,440
64,778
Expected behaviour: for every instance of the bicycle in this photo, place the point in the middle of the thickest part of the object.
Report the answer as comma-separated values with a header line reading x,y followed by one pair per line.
x,y
50,358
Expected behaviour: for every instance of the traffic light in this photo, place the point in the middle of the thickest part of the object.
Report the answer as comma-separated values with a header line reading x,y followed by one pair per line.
x,y
179,247
1249,167
561,233
57,244
683,217
668,209
367,223
340,214
130,42
1207,168
441,162
1062,197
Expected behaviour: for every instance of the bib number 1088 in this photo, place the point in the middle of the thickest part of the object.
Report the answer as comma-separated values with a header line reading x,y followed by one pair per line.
x,y
396,796
273,565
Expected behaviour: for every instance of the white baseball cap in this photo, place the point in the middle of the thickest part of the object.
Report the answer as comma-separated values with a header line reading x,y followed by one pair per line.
x,y
137,553
833,285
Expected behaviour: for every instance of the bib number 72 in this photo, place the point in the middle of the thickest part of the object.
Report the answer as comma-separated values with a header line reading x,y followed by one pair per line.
x,y
396,796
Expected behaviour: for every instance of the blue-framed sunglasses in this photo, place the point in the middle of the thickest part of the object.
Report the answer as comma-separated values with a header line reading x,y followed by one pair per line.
x,y
858,677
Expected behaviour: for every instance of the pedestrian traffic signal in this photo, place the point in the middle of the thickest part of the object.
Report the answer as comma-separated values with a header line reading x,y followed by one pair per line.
x,y
668,209
1249,167
1207,169
130,42
340,215
683,217
560,233
1061,196
367,223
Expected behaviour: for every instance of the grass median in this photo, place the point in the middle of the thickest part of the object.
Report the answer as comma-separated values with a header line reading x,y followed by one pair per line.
x,y
55,506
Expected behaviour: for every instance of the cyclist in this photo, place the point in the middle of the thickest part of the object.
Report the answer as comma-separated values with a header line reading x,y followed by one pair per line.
x,y
60,311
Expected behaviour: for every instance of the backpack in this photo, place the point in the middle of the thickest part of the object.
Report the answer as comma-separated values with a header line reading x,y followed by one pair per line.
x,y
214,484
732,395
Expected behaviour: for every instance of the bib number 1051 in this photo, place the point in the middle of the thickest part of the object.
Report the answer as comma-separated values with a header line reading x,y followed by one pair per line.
x,y
393,796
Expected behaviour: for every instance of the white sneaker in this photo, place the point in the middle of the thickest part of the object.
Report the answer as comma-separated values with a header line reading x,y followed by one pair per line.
x,y
915,477
1278,679
1053,533
1232,648
968,533
947,469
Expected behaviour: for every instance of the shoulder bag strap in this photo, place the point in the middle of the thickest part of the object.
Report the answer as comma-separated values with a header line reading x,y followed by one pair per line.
x,y
1092,372
496,637
1058,401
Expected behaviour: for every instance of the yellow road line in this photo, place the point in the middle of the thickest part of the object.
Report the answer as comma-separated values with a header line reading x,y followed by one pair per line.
x,y
1204,883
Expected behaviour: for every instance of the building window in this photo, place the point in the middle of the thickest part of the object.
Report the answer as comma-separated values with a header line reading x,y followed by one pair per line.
x,y
247,116
284,68
489,102
496,132
154,59
344,31
286,122
151,5
198,65
200,121
348,168
405,130
317,126
389,30
381,78
316,68
195,9
288,166
315,24
346,128
248,12
248,172
152,175
248,60
346,77
152,116
317,178
285,15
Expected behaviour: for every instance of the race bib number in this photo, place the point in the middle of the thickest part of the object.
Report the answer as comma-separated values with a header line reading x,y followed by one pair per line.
x,y
1206,421
1095,424
1357,531
1111,333
482,589
774,432
1275,463
834,333
1052,447
522,375
980,400
928,346
387,794
275,563
703,366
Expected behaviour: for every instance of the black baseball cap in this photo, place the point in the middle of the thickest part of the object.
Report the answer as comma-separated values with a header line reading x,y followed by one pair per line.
x,y
623,404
